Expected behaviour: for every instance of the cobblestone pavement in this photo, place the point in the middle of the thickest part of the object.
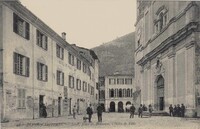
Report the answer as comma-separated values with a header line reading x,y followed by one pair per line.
x,y
110,121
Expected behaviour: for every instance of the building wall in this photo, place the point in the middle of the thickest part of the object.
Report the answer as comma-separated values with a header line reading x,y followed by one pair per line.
x,y
34,87
168,52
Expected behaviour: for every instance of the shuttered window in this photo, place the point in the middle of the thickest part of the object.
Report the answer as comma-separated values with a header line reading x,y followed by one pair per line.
x,y
60,78
21,65
21,27
42,72
59,52
42,40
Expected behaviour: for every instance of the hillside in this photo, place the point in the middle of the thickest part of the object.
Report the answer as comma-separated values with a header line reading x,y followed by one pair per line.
x,y
117,55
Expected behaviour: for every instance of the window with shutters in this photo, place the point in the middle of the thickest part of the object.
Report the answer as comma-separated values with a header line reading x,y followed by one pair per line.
x,y
21,97
21,65
112,81
84,86
42,72
78,64
78,84
120,81
21,27
84,68
59,52
60,78
89,88
71,59
128,81
42,40
92,90
71,81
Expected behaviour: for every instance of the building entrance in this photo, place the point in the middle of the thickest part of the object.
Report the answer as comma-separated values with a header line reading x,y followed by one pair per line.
x,y
120,107
59,106
160,93
41,103
112,107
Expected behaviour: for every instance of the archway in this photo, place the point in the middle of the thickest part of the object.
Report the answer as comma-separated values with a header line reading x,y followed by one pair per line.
x,y
160,93
112,107
120,107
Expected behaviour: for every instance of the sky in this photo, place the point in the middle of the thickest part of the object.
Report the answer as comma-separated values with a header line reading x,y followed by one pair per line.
x,y
87,23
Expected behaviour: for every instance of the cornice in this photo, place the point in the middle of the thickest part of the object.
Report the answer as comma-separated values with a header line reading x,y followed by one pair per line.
x,y
170,41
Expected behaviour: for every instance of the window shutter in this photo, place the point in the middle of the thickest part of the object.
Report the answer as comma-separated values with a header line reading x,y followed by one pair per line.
x,y
69,81
58,78
57,50
46,73
27,31
15,19
38,70
62,78
38,37
46,42
62,53
27,67
15,63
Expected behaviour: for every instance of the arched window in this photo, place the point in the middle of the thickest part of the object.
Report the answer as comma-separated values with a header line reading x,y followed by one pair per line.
x,y
120,92
128,92
111,93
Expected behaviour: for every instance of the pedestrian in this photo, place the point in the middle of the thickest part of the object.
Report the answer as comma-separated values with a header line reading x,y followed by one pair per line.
x,y
171,110
74,112
175,111
140,110
144,108
99,112
150,110
178,110
89,112
44,111
182,110
132,111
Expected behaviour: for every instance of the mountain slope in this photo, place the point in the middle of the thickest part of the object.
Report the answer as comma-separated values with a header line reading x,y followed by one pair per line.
x,y
117,55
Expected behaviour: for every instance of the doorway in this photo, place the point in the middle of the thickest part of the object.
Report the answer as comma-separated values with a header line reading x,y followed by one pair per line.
x,y
120,107
112,107
59,106
160,93
41,102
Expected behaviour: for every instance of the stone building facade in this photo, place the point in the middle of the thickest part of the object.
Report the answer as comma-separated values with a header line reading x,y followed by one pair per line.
x,y
167,54
118,92
39,66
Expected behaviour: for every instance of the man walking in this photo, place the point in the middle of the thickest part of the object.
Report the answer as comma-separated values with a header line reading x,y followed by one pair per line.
x,y
89,112
99,112
182,110
132,111
171,110
140,110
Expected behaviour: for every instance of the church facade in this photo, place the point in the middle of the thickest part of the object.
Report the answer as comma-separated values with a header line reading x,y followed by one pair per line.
x,y
167,56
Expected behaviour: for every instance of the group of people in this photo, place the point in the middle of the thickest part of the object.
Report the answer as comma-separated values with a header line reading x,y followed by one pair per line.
x,y
89,112
177,110
140,110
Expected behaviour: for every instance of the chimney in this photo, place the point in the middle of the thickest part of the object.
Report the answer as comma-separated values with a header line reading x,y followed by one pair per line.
x,y
64,35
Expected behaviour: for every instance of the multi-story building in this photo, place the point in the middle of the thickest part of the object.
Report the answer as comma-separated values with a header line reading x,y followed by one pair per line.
x,y
119,90
39,66
167,54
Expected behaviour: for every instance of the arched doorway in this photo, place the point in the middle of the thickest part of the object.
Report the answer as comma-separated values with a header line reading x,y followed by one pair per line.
x,y
112,107
160,93
120,107
127,106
